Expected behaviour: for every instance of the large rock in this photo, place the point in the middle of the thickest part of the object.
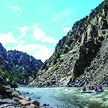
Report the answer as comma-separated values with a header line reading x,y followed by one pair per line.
x,y
24,102
6,101
6,91
17,95
36,103
16,100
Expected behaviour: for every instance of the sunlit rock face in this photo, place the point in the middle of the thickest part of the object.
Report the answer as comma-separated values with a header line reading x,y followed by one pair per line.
x,y
72,63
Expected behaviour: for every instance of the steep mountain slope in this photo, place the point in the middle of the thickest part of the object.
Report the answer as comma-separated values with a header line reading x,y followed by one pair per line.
x,y
24,66
19,67
74,54
97,72
3,59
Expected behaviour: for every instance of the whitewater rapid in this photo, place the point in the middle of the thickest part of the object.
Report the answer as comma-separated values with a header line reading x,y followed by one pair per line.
x,y
67,97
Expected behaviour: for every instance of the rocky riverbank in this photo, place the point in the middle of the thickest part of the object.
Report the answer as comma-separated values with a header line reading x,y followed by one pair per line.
x,y
10,98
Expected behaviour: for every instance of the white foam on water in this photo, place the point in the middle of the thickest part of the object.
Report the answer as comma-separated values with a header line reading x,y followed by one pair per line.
x,y
67,97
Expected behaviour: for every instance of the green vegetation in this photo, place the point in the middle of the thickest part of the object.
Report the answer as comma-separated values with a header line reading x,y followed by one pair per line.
x,y
81,44
56,56
98,27
72,74
75,48
83,29
103,19
75,35
99,41
93,51
46,68
87,49
12,80
17,76
70,42
56,68
76,60
87,21
101,7
61,59
72,57
18,67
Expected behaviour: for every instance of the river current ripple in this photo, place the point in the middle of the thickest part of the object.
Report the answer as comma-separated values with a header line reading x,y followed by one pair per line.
x,y
67,97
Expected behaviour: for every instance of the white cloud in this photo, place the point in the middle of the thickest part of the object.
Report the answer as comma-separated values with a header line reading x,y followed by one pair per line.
x,y
64,24
37,50
19,9
44,53
35,26
22,30
49,39
63,13
16,8
26,48
40,35
7,38
67,29
12,7
22,42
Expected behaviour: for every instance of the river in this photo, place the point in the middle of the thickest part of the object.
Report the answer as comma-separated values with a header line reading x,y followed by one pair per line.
x,y
67,97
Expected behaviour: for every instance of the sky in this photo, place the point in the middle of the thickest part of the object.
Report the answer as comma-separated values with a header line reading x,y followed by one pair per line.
x,y
36,26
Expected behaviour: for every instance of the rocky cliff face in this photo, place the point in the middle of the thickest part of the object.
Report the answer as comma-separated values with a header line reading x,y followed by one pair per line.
x,y
19,67
78,56
24,66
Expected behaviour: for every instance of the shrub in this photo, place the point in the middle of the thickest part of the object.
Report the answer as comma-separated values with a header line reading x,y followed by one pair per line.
x,y
92,50
72,57
56,67
81,44
103,19
72,74
99,41
56,56
83,29
61,59
75,35
75,48
98,27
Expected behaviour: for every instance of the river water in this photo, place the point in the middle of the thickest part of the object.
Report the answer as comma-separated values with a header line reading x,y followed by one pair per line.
x,y
67,97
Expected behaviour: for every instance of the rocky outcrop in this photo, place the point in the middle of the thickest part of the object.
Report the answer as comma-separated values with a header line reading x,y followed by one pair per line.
x,y
75,53
16,100
9,98
5,89
19,67
96,72
24,67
